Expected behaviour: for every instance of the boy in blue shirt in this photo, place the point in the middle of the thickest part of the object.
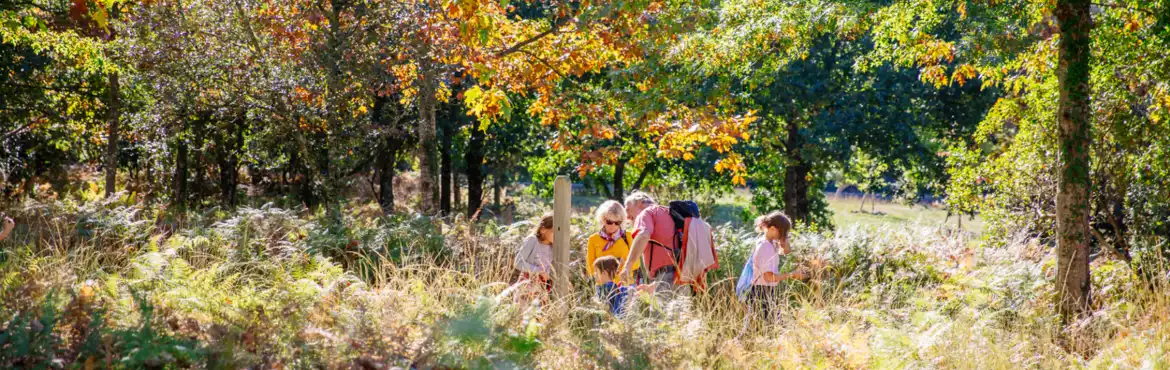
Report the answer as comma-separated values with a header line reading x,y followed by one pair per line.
x,y
615,295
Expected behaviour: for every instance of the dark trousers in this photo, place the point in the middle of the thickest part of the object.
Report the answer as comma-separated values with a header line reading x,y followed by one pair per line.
x,y
762,301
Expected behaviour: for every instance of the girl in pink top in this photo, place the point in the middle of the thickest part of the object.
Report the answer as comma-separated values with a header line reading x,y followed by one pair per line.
x,y
767,259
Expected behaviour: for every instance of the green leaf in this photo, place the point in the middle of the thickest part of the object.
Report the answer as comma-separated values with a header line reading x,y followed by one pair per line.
x,y
506,108
100,17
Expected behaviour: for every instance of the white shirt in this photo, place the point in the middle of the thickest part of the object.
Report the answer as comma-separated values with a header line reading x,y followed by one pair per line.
x,y
534,257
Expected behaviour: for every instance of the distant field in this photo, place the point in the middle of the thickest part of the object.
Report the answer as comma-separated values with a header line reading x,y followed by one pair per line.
x,y
730,208
845,213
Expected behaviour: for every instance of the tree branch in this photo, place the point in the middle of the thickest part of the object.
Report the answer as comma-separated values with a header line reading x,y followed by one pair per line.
x,y
1109,246
545,62
556,26
17,130
646,170
604,188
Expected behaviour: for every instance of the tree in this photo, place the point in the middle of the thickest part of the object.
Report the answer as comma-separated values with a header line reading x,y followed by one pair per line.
x,y
195,84
598,129
1039,144
54,62
867,172
1074,127
393,139
113,117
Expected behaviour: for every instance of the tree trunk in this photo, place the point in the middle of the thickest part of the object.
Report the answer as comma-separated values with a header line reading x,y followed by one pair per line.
x,y
456,187
238,151
427,148
619,186
113,113
199,131
1074,126
332,176
387,169
796,173
392,146
497,191
302,178
445,169
228,144
181,174
474,160
325,191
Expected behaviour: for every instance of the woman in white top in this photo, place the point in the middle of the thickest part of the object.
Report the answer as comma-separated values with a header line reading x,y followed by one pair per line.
x,y
534,259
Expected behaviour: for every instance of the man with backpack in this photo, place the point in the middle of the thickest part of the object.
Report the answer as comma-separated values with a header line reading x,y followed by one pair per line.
x,y
659,233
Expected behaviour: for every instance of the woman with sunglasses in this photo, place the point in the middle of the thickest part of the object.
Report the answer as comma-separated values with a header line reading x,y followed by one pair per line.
x,y
611,240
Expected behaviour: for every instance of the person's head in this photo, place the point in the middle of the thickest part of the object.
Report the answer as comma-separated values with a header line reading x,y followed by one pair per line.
x,y
775,226
610,215
636,202
605,268
544,230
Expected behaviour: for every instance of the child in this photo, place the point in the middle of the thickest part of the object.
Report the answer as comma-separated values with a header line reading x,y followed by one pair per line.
x,y
605,270
534,259
766,261
611,240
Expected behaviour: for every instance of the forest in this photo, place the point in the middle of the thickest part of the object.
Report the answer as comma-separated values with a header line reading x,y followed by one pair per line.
x,y
370,184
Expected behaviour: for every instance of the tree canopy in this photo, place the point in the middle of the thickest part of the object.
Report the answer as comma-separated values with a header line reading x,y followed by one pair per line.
x,y
1049,118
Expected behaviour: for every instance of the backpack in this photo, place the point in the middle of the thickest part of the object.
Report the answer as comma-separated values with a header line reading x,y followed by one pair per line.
x,y
744,284
680,211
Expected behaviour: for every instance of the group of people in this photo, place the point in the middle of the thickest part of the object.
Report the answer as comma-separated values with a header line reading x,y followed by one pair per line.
x,y
620,264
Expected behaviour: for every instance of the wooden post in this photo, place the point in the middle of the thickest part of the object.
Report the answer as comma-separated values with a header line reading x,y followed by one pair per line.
x,y
562,212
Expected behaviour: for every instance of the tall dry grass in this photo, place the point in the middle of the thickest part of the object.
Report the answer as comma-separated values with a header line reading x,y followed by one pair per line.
x,y
119,284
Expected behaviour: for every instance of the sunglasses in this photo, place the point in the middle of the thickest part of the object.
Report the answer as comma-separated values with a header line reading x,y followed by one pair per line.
x,y
615,223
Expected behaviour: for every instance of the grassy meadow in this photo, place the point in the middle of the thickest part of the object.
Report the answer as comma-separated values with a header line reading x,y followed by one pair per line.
x,y
847,211
89,283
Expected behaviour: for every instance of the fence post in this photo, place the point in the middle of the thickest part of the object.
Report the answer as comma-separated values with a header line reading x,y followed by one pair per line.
x,y
562,213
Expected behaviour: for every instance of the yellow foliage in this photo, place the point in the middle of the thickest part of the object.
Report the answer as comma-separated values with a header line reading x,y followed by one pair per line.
x,y
963,73
935,75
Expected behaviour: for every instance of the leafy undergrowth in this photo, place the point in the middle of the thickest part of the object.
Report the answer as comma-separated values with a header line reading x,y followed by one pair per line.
x,y
119,285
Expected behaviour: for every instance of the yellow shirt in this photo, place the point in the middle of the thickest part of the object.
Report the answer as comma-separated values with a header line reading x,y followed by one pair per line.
x,y
620,250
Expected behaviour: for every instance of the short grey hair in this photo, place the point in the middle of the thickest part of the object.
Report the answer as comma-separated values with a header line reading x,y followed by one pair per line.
x,y
611,209
639,197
